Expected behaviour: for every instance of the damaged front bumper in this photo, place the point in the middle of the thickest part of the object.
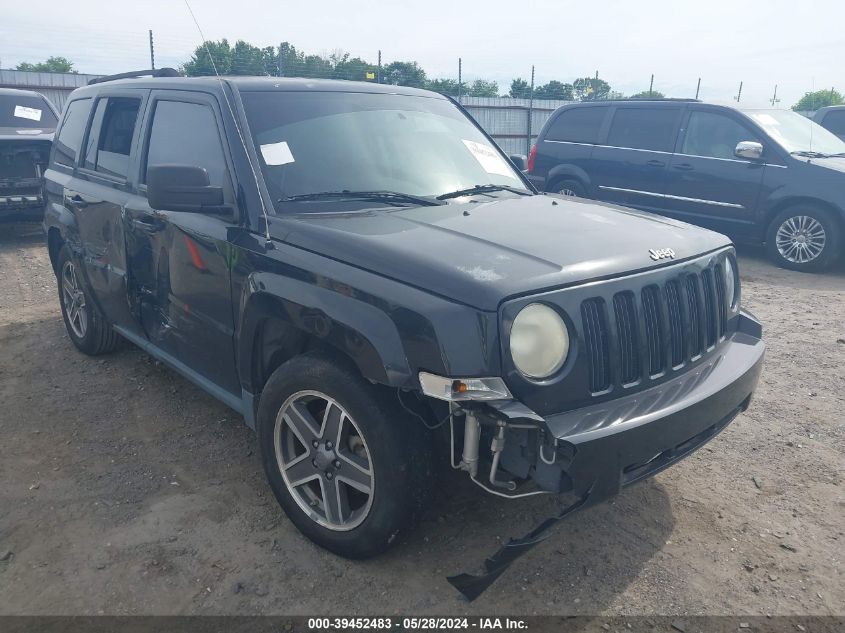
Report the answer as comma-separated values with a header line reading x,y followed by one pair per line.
x,y
604,447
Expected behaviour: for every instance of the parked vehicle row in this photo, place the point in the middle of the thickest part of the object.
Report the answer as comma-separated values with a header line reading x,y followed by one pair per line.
x,y
758,175
361,273
27,123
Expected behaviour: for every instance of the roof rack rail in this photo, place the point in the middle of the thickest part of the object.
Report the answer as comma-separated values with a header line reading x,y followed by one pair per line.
x,y
155,72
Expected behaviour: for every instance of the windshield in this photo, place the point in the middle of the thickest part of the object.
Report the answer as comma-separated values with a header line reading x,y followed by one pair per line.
x,y
317,142
26,112
796,133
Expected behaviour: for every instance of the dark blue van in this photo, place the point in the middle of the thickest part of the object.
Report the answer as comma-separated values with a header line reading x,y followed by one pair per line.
x,y
759,175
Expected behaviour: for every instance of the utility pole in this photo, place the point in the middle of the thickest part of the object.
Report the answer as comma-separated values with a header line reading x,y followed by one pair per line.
x,y
460,78
739,94
596,86
698,88
378,76
774,98
530,109
281,61
651,86
152,52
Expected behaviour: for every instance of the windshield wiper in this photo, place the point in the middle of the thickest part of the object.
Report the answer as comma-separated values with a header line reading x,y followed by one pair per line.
x,y
377,196
810,154
483,189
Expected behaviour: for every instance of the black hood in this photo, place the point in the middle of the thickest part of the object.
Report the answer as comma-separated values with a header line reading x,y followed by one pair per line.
x,y
482,253
26,134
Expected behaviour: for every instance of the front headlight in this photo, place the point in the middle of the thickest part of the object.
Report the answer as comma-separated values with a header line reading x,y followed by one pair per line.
x,y
731,285
539,341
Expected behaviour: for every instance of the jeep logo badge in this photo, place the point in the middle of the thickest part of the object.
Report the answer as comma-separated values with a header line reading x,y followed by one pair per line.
x,y
661,253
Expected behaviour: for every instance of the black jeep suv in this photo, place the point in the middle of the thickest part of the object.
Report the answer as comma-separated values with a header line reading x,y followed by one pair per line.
x,y
758,175
360,272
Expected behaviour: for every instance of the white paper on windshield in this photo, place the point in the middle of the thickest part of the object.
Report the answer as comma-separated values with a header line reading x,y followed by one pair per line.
x,y
30,131
22,112
488,158
277,153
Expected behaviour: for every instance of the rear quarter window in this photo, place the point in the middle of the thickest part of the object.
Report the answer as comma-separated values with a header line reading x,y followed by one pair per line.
x,y
70,135
577,125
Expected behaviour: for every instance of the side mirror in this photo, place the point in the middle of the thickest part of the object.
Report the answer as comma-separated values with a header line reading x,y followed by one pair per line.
x,y
519,161
182,188
749,149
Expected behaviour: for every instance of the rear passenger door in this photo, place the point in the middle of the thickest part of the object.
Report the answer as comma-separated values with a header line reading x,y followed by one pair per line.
x,y
179,262
707,183
630,167
98,193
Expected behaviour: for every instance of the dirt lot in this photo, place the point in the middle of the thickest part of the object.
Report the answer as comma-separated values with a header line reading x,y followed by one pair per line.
x,y
126,490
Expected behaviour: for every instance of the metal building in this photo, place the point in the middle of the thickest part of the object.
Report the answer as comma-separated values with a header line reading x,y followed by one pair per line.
x,y
55,86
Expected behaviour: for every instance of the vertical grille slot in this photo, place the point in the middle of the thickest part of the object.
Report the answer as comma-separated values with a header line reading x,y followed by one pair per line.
x,y
626,327
710,318
598,346
694,315
721,300
676,322
653,320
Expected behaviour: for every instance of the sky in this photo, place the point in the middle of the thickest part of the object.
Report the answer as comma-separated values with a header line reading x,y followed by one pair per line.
x,y
798,45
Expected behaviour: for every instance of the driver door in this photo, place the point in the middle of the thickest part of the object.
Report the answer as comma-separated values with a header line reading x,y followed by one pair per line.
x,y
707,183
179,261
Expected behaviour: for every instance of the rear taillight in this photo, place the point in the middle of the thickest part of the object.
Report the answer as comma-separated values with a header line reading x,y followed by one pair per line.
x,y
532,156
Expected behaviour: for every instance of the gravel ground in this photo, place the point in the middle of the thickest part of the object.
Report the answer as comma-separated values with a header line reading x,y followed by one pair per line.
x,y
126,490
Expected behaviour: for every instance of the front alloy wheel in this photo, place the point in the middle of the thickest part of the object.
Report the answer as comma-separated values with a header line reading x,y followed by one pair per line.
x,y
800,239
349,466
805,238
324,460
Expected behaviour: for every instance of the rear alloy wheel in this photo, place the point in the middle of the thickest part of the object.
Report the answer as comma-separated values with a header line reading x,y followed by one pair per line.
x,y
804,238
571,188
85,324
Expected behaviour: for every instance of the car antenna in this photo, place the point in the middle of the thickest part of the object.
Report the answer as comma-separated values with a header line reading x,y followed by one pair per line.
x,y
268,243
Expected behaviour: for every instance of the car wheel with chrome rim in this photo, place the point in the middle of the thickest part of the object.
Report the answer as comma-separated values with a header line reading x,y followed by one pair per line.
x,y
804,238
349,467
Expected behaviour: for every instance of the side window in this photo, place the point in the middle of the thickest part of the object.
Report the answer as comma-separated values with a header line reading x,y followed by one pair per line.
x,y
186,134
835,122
644,128
70,136
714,135
578,125
110,138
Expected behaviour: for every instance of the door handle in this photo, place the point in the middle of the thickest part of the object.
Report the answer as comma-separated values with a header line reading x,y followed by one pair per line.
x,y
656,163
147,223
683,167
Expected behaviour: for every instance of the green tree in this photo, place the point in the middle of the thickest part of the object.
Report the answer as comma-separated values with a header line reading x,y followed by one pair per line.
x,y
483,88
51,65
354,68
818,99
404,74
554,90
520,89
200,64
444,86
648,94
590,89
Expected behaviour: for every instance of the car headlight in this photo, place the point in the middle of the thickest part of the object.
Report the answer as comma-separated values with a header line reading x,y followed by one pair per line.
x,y
539,341
731,285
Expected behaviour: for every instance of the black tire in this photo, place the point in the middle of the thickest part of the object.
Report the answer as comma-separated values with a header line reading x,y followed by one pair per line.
x,y
778,249
97,336
398,446
569,188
